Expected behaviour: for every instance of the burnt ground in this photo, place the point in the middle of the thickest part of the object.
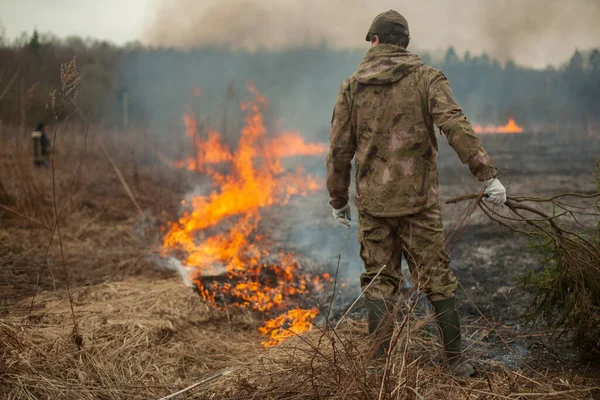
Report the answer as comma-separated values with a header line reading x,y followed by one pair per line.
x,y
487,259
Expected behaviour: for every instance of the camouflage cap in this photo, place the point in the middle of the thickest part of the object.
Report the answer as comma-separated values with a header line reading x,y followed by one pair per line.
x,y
389,23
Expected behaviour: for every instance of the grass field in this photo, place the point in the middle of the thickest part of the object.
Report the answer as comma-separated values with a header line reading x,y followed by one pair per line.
x,y
90,311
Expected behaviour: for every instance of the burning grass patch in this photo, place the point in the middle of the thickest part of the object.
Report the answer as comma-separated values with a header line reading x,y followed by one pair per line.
x,y
216,244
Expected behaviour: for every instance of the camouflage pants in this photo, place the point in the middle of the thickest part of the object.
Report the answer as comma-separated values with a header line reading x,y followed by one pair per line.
x,y
419,238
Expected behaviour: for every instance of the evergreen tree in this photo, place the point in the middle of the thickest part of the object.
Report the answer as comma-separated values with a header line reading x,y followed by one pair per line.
x,y
595,60
451,58
576,63
34,42
467,57
2,34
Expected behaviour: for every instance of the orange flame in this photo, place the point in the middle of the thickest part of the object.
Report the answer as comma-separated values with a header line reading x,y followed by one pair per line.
x,y
290,144
212,151
510,127
219,233
292,323
206,151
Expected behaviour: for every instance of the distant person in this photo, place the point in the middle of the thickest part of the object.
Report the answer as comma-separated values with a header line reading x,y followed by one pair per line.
x,y
40,146
385,115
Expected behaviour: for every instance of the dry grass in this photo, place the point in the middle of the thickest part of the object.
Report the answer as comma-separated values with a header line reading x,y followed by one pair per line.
x,y
296,373
103,238
142,335
147,338
335,365
141,339
123,329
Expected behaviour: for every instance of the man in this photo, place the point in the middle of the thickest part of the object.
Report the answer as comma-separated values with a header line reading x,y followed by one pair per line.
x,y
40,146
385,115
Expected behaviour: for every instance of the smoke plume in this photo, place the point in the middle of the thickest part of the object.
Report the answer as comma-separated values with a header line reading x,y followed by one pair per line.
x,y
533,32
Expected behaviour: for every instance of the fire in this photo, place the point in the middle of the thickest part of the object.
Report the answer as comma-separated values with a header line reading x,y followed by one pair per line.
x,y
211,151
207,151
510,127
217,238
291,144
294,322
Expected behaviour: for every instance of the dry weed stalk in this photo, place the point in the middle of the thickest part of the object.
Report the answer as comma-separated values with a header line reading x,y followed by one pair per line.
x,y
69,79
69,76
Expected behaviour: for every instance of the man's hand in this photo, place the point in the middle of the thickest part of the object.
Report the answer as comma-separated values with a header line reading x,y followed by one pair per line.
x,y
343,216
496,193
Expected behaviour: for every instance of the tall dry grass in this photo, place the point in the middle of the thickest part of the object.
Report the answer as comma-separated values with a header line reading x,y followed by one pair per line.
x,y
103,237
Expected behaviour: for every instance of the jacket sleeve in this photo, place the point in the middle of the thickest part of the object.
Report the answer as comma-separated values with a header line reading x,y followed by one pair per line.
x,y
342,146
448,116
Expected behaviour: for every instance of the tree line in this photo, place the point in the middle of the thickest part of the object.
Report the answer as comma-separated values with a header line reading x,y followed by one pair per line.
x,y
154,86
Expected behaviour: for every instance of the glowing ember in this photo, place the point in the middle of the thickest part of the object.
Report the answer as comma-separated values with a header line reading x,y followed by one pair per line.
x,y
292,323
217,239
510,127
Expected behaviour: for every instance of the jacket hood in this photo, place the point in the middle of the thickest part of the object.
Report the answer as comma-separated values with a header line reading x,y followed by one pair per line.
x,y
386,63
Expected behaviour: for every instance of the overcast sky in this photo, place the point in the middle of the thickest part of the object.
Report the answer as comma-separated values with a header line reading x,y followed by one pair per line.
x,y
119,21
532,32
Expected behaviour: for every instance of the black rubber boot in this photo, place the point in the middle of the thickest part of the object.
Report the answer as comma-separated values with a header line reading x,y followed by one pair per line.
x,y
448,321
380,325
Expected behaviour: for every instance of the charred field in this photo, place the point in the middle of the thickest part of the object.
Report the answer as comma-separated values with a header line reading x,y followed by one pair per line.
x,y
96,313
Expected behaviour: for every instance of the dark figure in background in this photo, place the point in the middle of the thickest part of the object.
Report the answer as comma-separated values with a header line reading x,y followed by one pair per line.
x,y
40,146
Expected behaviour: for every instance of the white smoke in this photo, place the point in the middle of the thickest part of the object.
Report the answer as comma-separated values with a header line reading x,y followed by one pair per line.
x,y
532,32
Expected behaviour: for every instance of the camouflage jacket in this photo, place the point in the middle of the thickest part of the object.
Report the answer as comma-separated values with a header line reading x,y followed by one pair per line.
x,y
384,114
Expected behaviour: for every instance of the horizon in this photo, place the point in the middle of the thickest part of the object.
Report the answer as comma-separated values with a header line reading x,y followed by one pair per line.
x,y
528,39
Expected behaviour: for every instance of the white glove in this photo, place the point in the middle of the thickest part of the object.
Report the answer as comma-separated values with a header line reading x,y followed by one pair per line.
x,y
343,216
496,193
